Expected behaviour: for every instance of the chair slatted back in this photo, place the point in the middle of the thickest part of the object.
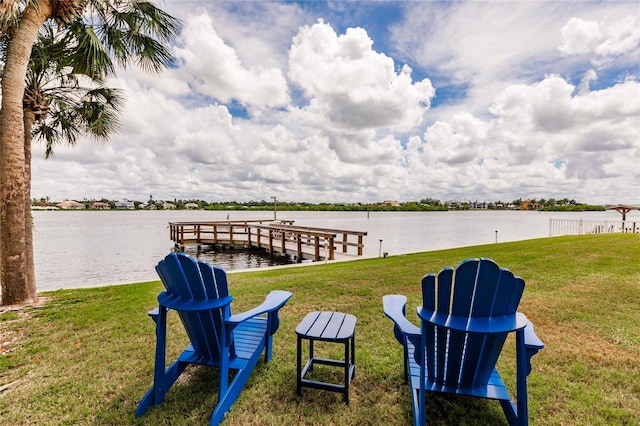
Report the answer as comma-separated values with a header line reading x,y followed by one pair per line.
x,y
188,279
477,288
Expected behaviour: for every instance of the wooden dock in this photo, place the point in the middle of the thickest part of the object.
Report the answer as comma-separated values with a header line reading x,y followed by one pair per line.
x,y
280,237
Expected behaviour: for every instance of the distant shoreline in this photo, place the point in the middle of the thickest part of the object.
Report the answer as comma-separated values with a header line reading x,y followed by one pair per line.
x,y
560,209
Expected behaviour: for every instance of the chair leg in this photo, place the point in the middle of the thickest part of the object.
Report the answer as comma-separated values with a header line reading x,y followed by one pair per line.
x,y
521,376
405,349
162,380
232,391
267,348
518,414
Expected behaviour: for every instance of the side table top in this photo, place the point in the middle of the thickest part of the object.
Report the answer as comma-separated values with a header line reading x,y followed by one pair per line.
x,y
329,326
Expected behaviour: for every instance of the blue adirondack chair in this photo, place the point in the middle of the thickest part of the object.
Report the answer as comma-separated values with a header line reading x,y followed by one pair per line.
x,y
465,318
199,293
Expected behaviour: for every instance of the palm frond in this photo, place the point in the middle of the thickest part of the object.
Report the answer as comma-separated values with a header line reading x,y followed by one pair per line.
x,y
70,61
88,54
137,32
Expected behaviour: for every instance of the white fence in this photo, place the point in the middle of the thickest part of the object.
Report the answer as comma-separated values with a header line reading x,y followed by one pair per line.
x,y
579,227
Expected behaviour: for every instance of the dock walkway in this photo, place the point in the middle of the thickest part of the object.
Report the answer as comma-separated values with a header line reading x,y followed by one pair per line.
x,y
279,237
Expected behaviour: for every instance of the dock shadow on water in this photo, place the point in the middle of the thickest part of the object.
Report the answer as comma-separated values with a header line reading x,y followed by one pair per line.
x,y
236,259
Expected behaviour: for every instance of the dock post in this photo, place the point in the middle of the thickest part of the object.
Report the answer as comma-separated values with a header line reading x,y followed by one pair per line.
x,y
283,235
344,242
332,249
271,242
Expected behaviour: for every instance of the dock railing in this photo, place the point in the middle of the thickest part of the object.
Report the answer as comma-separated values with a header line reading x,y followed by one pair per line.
x,y
579,227
276,237
230,232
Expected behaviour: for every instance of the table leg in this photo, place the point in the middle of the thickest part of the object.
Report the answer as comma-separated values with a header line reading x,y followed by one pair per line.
x,y
353,353
347,364
299,367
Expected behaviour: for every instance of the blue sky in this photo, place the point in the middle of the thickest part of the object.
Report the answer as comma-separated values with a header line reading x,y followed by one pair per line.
x,y
368,101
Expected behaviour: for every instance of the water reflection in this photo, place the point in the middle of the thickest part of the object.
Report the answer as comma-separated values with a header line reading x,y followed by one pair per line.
x,y
235,259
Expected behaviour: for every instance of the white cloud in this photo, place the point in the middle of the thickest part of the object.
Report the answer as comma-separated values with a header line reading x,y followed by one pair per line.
x,y
587,78
543,138
604,41
340,116
351,85
580,36
214,69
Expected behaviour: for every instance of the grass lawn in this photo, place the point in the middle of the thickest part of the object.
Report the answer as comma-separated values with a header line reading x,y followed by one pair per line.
x,y
86,356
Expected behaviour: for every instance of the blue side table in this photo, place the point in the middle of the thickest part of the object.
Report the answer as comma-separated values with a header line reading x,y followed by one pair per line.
x,y
333,327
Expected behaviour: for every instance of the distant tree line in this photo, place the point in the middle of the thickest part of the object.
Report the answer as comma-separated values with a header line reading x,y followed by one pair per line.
x,y
425,204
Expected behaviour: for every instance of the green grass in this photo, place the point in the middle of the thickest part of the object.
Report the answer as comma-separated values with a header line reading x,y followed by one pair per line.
x,y
86,356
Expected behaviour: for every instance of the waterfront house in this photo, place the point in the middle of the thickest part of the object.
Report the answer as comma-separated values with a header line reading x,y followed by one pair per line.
x,y
71,205
99,205
125,204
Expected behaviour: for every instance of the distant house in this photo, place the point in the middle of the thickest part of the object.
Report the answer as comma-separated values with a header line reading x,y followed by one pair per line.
x,y
168,206
392,203
99,205
191,206
452,204
71,205
478,205
125,204
531,205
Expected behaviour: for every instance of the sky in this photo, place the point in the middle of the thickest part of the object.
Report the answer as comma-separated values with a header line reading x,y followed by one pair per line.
x,y
366,101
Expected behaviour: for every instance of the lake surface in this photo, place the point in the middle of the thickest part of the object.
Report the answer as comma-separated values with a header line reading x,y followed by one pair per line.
x,y
75,249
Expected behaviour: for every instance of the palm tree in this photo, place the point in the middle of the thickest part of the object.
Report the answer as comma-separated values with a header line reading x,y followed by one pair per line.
x,y
94,31
58,108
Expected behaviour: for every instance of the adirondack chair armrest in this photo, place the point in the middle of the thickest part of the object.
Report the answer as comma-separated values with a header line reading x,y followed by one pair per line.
x,y
532,344
273,302
394,308
154,314
178,303
464,323
531,339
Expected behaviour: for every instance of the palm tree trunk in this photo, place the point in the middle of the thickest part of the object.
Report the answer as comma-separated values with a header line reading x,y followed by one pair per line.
x,y
14,277
29,120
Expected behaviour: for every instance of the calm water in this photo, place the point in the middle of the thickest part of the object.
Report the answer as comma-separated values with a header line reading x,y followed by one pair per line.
x,y
87,249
